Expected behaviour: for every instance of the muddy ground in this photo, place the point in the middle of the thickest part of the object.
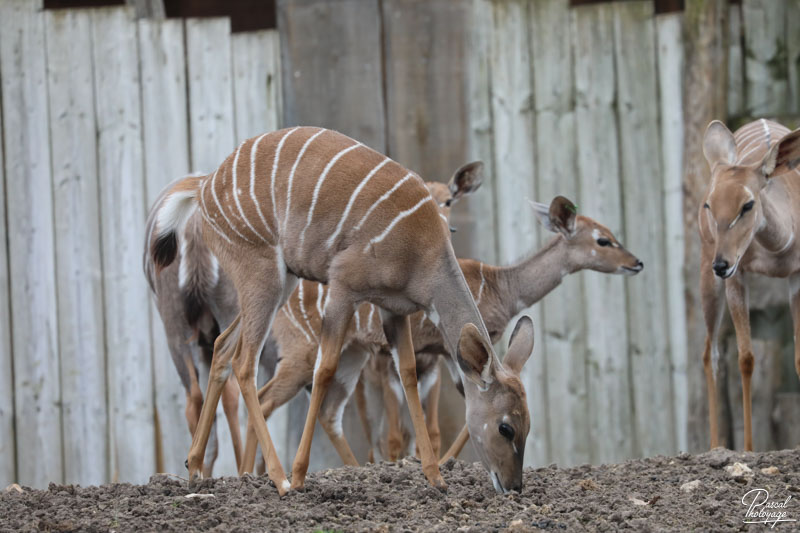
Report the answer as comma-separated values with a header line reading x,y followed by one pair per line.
x,y
641,495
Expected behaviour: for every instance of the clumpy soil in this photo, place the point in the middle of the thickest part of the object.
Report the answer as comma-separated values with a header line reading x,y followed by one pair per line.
x,y
640,495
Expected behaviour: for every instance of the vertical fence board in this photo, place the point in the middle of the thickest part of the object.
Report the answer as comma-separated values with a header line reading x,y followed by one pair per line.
x,y
331,62
512,112
610,410
475,219
211,127
7,448
166,157
30,237
736,85
563,320
669,30
122,207
767,88
77,236
793,54
637,116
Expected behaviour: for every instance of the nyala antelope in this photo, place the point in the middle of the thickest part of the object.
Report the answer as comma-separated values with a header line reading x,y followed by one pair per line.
x,y
500,293
312,203
748,222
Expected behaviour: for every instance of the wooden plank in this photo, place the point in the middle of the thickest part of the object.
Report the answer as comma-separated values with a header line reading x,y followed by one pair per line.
x,y
475,216
256,82
30,239
517,235
767,87
610,410
563,318
8,453
211,128
643,203
705,59
122,200
166,157
669,31
77,236
736,85
793,54
331,63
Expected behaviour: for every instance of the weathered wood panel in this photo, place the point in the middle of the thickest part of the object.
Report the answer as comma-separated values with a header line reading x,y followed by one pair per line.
x,y
8,451
562,315
610,410
736,85
767,87
514,140
122,205
793,54
30,242
669,29
77,236
642,198
331,63
211,127
705,60
166,157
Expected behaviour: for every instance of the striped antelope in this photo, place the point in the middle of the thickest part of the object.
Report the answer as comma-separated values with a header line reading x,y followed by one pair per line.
x,y
312,203
748,223
297,329
500,293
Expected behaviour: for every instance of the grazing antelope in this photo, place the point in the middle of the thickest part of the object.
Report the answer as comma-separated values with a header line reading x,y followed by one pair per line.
x,y
748,222
312,203
499,292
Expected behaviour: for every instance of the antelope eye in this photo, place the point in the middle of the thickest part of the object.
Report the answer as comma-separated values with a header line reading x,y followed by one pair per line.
x,y
706,206
748,206
448,202
602,241
506,431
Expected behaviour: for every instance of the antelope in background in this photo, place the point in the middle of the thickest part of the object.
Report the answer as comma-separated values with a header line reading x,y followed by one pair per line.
x,y
500,293
748,222
295,204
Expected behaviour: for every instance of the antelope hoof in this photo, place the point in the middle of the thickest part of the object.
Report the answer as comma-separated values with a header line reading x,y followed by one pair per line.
x,y
283,487
298,483
194,479
439,483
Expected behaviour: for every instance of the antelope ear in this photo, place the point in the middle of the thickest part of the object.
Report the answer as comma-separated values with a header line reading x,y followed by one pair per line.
x,y
719,145
520,345
783,157
562,215
475,357
542,212
466,180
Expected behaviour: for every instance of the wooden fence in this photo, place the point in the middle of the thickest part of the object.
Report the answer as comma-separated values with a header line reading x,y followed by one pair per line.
x,y
99,111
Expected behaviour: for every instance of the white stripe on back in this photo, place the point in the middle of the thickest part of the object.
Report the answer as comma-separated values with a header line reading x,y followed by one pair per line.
x,y
380,200
291,176
204,212
219,206
253,185
400,216
320,181
275,161
236,193
352,200
294,322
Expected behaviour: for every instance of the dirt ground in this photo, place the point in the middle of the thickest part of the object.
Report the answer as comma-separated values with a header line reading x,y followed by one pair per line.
x,y
687,492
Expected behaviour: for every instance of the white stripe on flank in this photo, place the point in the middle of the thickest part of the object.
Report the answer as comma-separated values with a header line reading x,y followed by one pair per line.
x,y
766,130
320,181
748,152
320,288
352,200
748,136
204,212
275,161
237,193
358,320
400,216
303,310
386,195
253,185
369,317
480,289
219,206
291,176
287,309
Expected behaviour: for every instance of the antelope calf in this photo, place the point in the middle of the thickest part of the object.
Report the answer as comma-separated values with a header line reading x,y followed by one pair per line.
x,y
499,292
748,222
312,203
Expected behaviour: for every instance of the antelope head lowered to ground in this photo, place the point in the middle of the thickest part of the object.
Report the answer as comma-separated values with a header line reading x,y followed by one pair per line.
x,y
312,203
749,221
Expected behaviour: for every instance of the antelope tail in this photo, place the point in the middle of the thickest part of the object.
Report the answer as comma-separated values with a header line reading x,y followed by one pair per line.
x,y
174,212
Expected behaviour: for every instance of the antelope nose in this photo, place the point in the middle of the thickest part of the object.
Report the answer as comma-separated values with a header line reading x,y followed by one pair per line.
x,y
639,265
720,267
